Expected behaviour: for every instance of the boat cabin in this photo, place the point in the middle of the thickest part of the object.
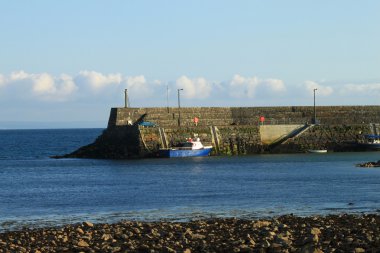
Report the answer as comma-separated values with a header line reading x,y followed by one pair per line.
x,y
191,144
372,138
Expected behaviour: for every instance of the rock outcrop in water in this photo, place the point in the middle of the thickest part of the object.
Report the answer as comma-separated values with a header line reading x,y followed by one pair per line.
x,y
333,233
369,164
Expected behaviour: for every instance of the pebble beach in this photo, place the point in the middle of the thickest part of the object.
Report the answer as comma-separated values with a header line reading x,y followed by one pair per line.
x,y
288,233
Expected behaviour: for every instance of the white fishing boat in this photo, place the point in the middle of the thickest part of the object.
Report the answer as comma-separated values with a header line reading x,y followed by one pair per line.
x,y
370,142
190,148
317,151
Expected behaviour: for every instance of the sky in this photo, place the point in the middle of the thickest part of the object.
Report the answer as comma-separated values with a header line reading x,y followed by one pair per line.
x,y
66,63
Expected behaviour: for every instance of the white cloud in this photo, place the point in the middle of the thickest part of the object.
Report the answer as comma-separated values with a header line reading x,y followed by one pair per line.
x,y
138,87
157,82
2,80
19,75
369,89
275,85
97,81
51,88
241,86
43,86
109,87
136,81
67,85
321,89
198,88
95,87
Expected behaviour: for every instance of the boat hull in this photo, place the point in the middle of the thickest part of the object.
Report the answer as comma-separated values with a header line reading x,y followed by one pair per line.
x,y
368,146
184,153
317,151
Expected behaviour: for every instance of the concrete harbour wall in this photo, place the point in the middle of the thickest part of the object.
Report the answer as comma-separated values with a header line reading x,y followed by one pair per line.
x,y
226,116
232,130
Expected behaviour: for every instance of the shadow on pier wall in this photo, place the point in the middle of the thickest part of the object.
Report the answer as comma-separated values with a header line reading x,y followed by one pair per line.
x,y
118,142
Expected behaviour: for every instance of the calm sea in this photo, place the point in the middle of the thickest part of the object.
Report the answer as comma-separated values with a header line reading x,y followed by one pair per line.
x,y
38,191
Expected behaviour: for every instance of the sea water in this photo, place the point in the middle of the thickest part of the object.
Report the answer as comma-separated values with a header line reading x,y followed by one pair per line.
x,y
36,190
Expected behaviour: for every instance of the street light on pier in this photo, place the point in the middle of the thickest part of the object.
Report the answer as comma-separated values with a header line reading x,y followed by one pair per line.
x,y
315,113
126,104
167,97
179,108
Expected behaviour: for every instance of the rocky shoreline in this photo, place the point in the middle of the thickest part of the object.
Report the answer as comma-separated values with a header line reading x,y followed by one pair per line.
x,y
332,233
369,164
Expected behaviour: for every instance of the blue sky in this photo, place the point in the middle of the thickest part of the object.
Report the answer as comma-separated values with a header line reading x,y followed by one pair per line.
x,y
67,63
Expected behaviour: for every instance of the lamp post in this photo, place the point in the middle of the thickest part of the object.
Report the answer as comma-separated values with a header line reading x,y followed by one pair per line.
x,y
315,113
179,108
167,97
126,98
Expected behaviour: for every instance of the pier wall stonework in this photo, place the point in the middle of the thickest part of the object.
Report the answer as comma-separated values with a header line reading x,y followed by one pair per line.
x,y
226,116
232,140
237,129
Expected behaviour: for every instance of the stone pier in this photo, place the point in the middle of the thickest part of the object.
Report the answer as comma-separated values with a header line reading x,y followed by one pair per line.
x,y
140,132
